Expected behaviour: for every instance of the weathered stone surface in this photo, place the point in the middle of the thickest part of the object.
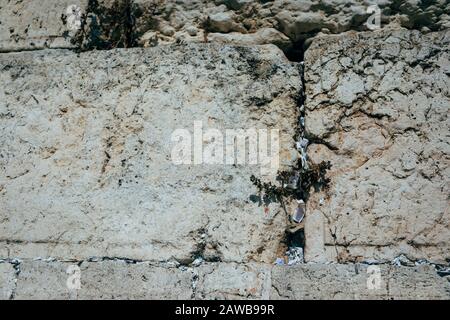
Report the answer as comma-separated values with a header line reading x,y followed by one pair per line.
x,y
120,280
7,280
262,36
417,283
107,24
233,281
298,20
379,102
340,281
40,280
38,24
101,280
86,167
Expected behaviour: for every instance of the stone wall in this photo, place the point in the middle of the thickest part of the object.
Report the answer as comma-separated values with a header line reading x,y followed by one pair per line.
x,y
91,94
87,152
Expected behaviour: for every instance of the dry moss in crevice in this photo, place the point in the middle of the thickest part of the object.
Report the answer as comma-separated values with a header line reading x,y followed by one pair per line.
x,y
293,184
106,26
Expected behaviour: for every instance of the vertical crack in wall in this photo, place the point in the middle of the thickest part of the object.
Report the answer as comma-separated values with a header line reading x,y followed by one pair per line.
x,y
296,53
303,178
295,237
296,183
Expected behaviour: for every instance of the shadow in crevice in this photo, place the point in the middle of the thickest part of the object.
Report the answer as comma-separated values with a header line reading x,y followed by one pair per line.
x,y
295,52
295,239
107,27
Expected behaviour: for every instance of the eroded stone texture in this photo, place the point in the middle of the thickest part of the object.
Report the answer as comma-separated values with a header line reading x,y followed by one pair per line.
x,y
121,280
107,24
297,20
7,280
233,281
341,281
86,167
40,280
378,105
38,24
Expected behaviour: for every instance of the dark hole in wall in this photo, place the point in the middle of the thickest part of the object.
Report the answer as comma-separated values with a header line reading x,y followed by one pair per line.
x,y
296,52
295,239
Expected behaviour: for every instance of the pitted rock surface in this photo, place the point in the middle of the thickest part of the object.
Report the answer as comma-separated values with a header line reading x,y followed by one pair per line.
x,y
377,104
86,160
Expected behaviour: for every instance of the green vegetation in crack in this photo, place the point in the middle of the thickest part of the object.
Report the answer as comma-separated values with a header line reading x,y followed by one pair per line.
x,y
106,27
293,184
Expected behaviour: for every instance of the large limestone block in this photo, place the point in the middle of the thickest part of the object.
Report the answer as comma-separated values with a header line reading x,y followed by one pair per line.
x,y
101,280
377,108
7,280
86,158
121,280
38,24
233,281
345,281
41,280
